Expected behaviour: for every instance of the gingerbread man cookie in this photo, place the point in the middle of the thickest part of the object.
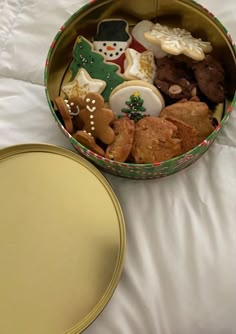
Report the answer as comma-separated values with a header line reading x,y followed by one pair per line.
x,y
97,119
83,84
89,142
69,110
185,132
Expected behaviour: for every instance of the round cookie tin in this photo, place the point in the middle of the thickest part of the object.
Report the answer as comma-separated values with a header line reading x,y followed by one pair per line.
x,y
186,14
62,241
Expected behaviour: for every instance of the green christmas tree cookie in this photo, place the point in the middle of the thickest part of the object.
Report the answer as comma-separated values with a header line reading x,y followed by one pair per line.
x,y
93,63
135,108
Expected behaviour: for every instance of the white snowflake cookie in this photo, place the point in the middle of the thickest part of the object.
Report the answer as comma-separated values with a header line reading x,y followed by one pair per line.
x,y
177,41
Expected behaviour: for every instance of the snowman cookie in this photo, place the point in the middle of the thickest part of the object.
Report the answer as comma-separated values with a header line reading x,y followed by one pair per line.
x,y
136,99
97,119
112,39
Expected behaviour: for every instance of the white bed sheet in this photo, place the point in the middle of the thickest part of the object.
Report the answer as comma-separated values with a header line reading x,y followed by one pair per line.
x,y
180,268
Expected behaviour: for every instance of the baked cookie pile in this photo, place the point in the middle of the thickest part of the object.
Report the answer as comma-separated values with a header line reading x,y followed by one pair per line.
x,y
143,94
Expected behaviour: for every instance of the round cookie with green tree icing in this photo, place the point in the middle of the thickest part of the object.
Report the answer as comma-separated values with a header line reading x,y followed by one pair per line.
x,y
136,99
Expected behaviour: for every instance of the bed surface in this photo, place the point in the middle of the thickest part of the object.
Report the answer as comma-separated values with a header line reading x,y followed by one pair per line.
x,y
179,274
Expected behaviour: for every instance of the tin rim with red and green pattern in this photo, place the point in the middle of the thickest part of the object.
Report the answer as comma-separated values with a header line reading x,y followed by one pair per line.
x,y
140,171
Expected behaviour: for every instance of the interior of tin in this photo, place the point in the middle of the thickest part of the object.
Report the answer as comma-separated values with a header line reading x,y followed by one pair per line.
x,y
175,13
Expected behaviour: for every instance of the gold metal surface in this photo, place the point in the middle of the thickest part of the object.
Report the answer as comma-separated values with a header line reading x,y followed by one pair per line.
x,y
183,13
62,241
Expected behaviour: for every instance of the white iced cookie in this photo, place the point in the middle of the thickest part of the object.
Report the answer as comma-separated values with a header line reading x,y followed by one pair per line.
x,y
177,41
139,66
138,33
136,99
112,38
82,85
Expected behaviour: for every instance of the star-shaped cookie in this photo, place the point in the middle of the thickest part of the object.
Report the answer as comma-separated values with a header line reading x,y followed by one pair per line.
x,y
140,66
82,85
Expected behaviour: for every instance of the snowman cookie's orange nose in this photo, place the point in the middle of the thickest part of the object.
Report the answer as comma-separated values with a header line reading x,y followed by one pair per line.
x,y
110,48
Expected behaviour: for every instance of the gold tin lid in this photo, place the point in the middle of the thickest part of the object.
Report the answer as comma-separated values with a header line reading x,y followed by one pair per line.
x,y
62,241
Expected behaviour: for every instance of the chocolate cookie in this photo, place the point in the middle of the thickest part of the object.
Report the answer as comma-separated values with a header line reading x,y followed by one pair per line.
x,y
175,79
210,77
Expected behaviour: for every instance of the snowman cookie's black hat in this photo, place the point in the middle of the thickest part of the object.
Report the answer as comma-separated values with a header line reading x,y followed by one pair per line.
x,y
112,30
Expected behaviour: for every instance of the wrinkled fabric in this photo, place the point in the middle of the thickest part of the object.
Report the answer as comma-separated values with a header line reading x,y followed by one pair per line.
x,y
179,273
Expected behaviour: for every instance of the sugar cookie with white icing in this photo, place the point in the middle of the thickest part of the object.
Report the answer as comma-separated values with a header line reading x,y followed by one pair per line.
x,y
82,85
136,99
138,34
112,38
177,41
140,66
